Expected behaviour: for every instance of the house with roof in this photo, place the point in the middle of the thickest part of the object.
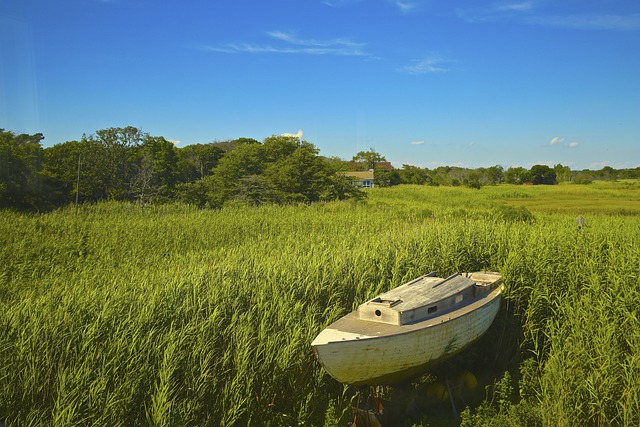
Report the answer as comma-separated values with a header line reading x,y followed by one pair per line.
x,y
363,179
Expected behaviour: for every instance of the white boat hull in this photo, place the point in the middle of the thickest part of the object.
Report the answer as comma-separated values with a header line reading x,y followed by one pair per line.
x,y
384,354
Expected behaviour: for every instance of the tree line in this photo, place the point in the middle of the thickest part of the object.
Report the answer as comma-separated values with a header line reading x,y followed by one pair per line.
x,y
478,177
127,164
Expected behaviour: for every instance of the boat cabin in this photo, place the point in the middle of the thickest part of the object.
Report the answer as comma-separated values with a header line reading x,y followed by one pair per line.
x,y
425,297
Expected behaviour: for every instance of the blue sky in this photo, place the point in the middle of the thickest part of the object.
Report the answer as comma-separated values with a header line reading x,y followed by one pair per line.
x,y
427,83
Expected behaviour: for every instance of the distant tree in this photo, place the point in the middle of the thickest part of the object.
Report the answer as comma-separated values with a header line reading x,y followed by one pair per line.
x,y
336,163
21,183
225,179
164,157
563,173
582,178
282,169
156,169
387,178
516,175
607,173
231,145
60,167
629,173
118,154
278,147
494,174
472,179
198,160
370,158
410,174
542,174
193,193
299,176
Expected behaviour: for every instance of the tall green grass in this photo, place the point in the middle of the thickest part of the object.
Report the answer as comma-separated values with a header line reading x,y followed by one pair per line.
x,y
172,316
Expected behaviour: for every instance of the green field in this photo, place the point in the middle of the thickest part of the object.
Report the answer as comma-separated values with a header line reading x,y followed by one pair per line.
x,y
173,316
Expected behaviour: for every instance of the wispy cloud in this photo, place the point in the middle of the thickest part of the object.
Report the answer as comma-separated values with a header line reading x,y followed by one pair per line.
x,y
556,140
291,44
403,6
514,7
528,12
496,11
417,142
432,64
340,3
589,22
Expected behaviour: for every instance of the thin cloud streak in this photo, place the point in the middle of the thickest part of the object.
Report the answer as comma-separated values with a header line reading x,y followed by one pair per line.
x,y
495,12
516,7
403,6
589,22
294,45
524,12
430,65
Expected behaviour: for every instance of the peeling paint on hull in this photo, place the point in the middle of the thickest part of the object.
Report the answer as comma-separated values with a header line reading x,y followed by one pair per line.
x,y
360,352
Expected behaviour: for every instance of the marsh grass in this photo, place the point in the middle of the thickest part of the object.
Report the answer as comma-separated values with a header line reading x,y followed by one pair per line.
x,y
170,315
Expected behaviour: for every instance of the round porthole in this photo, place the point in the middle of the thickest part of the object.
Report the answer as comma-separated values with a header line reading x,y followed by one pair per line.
x,y
378,313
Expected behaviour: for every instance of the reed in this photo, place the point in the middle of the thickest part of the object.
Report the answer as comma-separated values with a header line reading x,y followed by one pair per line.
x,y
170,315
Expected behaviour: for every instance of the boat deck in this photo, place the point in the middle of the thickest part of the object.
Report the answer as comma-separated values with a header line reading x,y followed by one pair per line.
x,y
351,327
425,291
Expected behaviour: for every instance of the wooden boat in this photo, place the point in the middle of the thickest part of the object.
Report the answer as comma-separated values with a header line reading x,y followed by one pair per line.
x,y
401,332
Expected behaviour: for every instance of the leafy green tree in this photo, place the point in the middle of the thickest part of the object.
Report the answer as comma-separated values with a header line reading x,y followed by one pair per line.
x,y
607,173
410,174
386,178
231,145
370,158
299,176
517,175
254,190
61,170
583,178
21,183
223,183
198,160
276,148
193,193
282,169
542,174
494,174
440,175
563,173
118,165
472,179
157,169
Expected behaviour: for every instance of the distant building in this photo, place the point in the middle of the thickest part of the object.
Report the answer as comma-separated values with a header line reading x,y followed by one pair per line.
x,y
362,166
363,179
383,166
